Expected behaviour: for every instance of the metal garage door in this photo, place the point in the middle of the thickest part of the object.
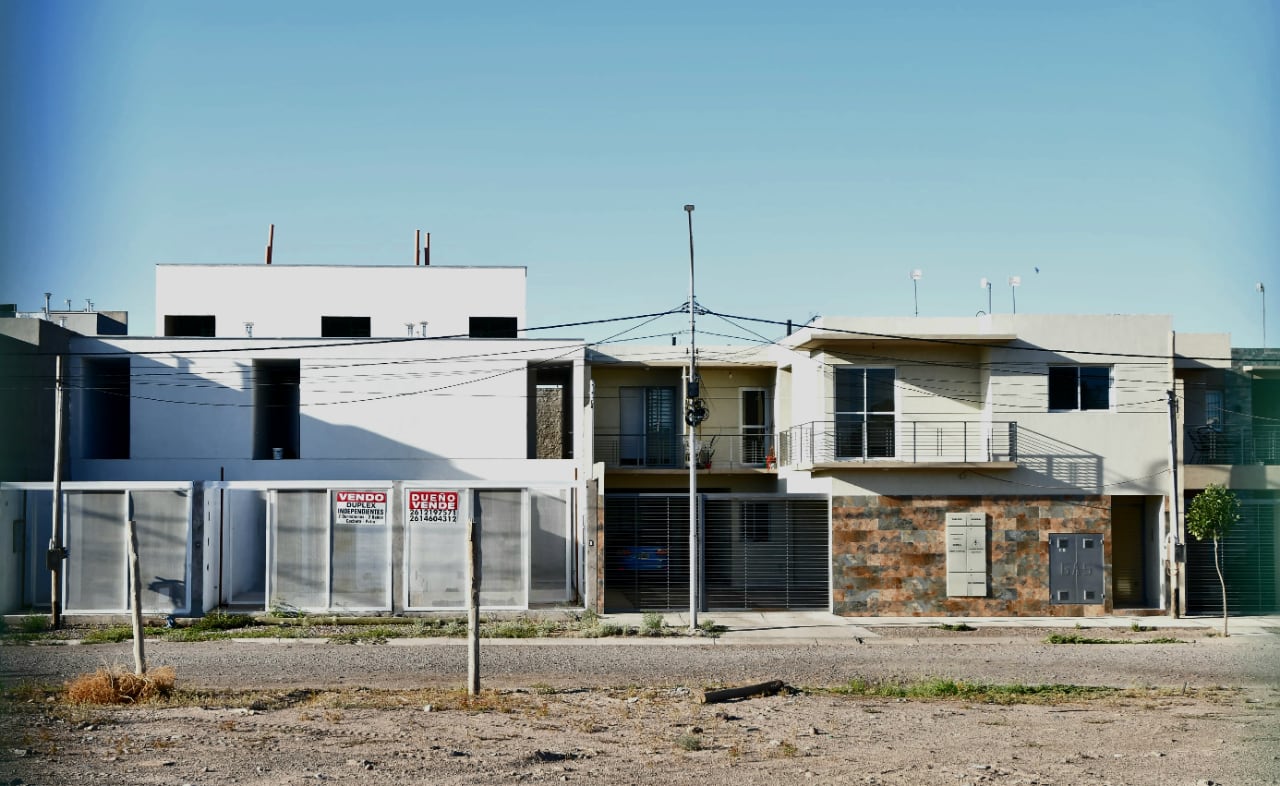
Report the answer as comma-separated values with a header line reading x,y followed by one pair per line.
x,y
1248,564
759,552
646,552
765,552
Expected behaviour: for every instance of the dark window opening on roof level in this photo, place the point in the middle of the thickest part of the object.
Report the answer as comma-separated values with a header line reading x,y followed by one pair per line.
x,y
276,408
345,327
190,325
550,415
492,327
106,408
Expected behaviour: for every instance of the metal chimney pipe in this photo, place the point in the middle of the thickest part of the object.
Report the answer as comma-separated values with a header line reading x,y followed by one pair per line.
x,y
47,296
271,241
417,247
426,252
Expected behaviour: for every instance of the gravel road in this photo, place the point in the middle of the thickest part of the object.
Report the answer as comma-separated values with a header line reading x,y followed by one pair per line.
x,y
1006,656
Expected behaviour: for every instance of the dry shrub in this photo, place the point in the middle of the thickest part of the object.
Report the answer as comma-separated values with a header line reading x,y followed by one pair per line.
x,y
115,685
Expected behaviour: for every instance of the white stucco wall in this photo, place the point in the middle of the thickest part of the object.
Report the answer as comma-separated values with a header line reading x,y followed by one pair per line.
x,y
439,409
288,300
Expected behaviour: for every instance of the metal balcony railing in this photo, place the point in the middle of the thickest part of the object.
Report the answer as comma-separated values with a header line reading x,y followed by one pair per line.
x,y
1258,444
716,451
918,441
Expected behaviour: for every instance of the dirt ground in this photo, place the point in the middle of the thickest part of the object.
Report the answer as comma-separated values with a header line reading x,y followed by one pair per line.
x,y
372,731
645,737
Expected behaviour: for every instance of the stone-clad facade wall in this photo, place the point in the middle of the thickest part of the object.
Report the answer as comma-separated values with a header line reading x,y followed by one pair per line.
x,y
889,554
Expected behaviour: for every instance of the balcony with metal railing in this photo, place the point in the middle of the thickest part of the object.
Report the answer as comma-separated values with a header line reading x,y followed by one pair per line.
x,y
1214,444
717,452
912,442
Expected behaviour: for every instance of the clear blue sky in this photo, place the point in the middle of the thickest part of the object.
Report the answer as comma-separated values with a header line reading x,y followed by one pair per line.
x,y
1129,150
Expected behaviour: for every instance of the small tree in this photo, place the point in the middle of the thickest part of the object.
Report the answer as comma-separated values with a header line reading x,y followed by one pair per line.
x,y
1212,514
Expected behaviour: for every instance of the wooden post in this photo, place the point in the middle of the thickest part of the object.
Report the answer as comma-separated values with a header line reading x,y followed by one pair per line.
x,y
135,597
473,614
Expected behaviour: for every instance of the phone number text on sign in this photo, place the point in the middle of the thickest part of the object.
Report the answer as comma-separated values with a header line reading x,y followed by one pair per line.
x,y
432,506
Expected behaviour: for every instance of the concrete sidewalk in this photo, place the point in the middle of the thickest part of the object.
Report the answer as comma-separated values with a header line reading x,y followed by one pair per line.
x,y
784,627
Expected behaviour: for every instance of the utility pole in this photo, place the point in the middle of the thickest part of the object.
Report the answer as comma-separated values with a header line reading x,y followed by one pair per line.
x,y
473,613
694,415
56,554
1174,540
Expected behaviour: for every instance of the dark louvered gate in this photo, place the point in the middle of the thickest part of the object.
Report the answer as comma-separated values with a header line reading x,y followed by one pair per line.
x,y
1248,564
758,552
765,552
646,552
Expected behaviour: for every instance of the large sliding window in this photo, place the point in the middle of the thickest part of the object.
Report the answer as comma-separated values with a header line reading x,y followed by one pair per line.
x,y
864,412
1079,387
648,435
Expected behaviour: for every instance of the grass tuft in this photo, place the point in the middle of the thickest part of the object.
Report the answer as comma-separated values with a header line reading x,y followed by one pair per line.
x,y
118,686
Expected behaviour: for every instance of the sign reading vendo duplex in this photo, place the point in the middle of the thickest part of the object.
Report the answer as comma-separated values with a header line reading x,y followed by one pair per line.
x,y
360,507
432,506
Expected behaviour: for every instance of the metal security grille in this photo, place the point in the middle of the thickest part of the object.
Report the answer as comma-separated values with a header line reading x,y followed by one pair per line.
x,y
1248,564
765,552
759,552
646,552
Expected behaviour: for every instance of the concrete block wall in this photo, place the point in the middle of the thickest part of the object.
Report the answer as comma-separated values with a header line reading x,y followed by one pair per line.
x,y
889,554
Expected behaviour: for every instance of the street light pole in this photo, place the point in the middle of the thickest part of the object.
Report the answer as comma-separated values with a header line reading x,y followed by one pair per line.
x,y
1262,290
915,290
691,393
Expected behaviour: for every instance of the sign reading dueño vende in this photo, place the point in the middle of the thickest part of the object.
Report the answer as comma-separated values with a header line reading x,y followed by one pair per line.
x,y
432,506
360,507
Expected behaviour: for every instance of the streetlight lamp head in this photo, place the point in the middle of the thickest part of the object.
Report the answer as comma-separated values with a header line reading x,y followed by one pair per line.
x,y
1015,281
1260,287
688,208
915,274
984,283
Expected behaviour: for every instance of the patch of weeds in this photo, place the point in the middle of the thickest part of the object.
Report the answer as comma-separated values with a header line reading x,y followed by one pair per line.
x,y
110,635
589,618
33,627
374,634
955,626
711,628
542,689
1076,638
786,750
248,633
221,620
518,628
689,742
944,689
603,630
285,611
438,627
1136,628
652,624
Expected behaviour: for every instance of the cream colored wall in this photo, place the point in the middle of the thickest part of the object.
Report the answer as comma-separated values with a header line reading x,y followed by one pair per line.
x,y
609,380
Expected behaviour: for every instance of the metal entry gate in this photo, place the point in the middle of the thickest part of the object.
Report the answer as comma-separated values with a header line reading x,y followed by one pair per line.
x,y
758,552
1248,564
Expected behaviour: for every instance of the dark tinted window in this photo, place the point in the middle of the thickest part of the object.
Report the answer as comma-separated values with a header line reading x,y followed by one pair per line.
x,y
492,327
344,327
189,325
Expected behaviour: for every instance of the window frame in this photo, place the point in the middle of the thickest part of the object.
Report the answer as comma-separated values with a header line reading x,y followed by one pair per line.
x,y
1079,387
866,416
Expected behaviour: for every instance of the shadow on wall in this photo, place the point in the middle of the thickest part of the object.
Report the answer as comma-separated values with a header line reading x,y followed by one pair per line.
x,y
1062,463
186,425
